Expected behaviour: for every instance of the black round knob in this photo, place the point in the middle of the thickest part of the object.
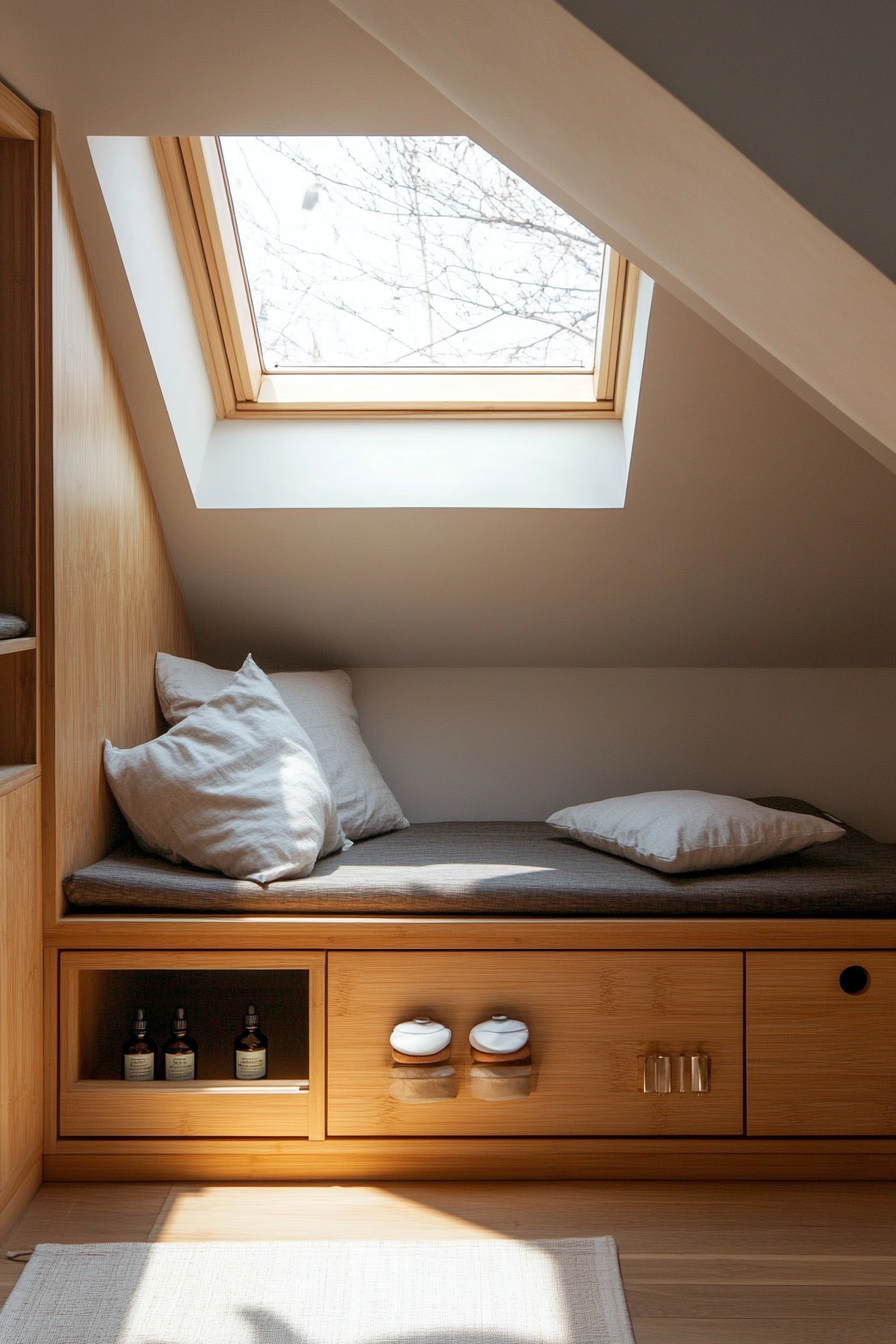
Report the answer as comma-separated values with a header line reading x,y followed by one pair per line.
x,y
854,980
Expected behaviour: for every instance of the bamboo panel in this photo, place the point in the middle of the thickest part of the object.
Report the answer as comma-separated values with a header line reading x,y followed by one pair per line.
x,y
470,934
461,1160
820,1061
20,992
113,595
164,1110
591,1015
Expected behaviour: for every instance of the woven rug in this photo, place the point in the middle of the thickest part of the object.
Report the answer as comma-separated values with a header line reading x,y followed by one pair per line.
x,y
321,1292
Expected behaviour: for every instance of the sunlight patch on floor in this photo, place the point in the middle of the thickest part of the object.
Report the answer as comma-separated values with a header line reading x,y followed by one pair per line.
x,y
305,1213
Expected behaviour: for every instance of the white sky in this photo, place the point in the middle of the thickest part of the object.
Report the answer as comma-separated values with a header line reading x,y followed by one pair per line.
x,y
408,252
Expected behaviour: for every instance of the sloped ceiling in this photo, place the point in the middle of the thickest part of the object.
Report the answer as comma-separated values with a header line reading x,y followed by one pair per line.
x,y
670,192
803,88
754,533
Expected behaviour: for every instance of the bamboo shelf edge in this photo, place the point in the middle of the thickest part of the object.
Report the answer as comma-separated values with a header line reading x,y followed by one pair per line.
x,y
18,645
200,1087
14,777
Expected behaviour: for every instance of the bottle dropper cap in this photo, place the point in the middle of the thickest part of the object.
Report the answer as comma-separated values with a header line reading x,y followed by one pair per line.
x,y
139,1023
180,1020
250,1018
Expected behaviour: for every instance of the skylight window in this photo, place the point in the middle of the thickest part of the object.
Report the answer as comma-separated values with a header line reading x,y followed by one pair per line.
x,y
392,276
408,252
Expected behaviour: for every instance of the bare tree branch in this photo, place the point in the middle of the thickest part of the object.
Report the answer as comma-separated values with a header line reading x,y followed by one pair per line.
x,y
389,250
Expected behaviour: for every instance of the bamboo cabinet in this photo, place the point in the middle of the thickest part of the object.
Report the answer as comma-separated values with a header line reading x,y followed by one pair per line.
x,y
593,1019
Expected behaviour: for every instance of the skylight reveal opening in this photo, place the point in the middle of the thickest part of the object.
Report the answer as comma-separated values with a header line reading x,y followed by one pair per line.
x,y
408,252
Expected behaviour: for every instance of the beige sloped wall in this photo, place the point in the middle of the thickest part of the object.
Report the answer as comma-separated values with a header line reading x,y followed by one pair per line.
x,y
518,743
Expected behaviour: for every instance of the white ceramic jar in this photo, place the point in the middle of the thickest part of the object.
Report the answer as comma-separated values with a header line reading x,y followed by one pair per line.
x,y
500,1035
420,1037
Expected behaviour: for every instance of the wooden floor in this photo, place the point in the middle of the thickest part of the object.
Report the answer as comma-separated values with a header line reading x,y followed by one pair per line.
x,y
703,1263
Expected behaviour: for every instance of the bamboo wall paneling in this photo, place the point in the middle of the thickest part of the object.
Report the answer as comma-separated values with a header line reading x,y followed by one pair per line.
x,y
20,785
819,1060
115,599
590,1015
20,992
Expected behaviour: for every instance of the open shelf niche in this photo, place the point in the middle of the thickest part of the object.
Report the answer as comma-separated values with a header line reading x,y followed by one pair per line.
x,y
215,1001
98,993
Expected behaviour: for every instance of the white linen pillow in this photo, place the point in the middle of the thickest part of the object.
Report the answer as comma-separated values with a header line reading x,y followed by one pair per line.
x,y
322,703
686,830
235,786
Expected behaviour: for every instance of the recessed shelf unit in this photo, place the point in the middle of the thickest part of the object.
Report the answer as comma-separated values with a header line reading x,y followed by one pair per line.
x,y
98,992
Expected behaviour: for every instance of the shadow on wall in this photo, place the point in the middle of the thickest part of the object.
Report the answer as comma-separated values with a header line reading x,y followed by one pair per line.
x,y
519,743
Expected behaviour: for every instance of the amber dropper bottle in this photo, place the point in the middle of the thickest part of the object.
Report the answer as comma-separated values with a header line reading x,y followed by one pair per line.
x,y
138,1058
250,1049
181,1051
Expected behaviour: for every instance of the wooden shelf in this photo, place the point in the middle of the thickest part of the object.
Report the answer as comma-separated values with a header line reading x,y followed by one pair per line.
x,y
17,645
205,1086
14,777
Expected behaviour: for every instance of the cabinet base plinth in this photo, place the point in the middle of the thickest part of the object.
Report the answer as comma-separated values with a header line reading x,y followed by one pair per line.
x,y
542,1159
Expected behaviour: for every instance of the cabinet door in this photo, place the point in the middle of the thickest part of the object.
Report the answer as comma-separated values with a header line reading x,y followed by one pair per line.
x,y
591,1015
821,1059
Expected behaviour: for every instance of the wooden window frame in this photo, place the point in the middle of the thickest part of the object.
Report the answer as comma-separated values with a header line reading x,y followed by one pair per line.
x,y
194,183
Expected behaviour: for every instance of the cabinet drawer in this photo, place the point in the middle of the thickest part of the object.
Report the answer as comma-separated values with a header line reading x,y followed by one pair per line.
x,y
821,1060
591,1016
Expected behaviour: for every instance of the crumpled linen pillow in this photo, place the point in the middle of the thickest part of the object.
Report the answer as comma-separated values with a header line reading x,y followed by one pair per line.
x,y
235,786
322,703
686,830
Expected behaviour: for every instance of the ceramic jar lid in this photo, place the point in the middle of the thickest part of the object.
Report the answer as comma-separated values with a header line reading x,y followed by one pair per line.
x,y
500,1035
420,1037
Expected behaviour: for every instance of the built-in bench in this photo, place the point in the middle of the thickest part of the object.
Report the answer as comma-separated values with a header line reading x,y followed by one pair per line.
x,y
780,977
510,868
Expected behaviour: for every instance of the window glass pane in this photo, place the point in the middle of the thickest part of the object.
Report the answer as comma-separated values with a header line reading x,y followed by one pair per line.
x,y
404,252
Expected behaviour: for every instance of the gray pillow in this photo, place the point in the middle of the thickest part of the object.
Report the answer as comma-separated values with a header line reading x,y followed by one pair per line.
x,y
12,627
686,830
322,703
235,786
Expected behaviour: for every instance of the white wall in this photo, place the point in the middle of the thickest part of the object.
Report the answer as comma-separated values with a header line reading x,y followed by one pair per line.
x,y
517,743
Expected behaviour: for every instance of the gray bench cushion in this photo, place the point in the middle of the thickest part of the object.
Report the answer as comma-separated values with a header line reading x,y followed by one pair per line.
x,y
509,868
